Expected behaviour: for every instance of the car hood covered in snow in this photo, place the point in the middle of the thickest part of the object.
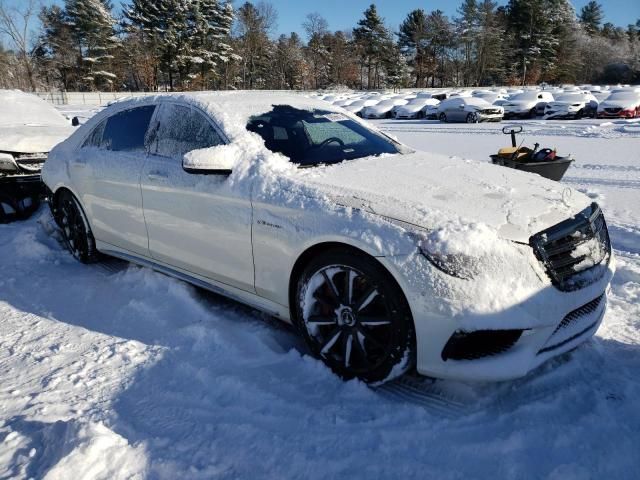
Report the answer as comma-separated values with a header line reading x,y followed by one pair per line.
x,y
426,189
32,138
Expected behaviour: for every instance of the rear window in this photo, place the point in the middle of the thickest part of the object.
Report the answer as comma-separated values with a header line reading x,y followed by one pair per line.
x,y
126,131
313,137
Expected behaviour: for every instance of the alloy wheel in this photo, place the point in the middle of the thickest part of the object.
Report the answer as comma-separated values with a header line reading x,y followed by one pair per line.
x,y
348,319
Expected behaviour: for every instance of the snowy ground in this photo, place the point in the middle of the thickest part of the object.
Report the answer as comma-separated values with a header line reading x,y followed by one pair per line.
x,y
113,371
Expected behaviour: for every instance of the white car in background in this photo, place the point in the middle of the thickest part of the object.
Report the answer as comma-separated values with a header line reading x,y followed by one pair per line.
x,y
383,109
572,105
528,104
623,103
416,108
468,109
358,105
384,259
29,128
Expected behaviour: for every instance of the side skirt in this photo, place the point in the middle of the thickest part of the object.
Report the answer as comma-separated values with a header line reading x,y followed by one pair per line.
x,y
259,303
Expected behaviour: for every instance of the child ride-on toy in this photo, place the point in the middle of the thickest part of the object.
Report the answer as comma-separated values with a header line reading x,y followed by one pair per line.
x,y
544,162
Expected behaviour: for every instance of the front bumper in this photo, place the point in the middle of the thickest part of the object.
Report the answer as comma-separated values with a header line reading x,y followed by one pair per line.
x,y
552,322
490,117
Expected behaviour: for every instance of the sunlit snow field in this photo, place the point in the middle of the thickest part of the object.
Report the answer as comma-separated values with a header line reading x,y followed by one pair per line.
x,y
114,371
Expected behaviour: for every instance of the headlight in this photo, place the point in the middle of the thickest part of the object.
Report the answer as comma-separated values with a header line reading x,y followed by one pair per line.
x,y
7,163
457,265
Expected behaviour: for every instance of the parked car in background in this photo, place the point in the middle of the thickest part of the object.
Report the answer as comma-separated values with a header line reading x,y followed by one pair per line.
x,y
385,259
357,106
384,109
29,128
468,109
528,104
416,108
572,105
620,104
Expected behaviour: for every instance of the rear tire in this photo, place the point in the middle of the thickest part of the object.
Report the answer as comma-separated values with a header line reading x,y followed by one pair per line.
x,y
354,317
533,113
76,231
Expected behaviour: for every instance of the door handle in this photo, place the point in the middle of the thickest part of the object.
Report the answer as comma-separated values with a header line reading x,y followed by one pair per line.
x,y
156,175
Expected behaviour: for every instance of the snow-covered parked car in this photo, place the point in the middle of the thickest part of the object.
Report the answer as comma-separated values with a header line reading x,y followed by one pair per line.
x,y
383,109
620,104
527,104
357,106
468,109
29,128
416,108
572,105
383,258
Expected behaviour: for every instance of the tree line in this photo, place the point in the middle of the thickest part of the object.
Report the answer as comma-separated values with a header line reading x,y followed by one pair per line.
x,y
177,45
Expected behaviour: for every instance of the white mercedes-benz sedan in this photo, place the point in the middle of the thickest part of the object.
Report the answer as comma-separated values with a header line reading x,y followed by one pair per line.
x,y
383,258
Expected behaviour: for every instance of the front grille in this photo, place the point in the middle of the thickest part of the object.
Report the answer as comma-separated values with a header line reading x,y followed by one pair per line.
x,y
481,343
491,111
575,324
613,110
575,252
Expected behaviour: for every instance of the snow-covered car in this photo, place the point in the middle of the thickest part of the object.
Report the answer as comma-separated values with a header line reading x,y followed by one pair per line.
x,y
357,106
620,104
383,109
527,104
572,105
29,128
383,258
416,108
468,109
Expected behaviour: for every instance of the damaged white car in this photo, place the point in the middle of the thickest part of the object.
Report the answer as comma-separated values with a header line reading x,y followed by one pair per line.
x,y
383,258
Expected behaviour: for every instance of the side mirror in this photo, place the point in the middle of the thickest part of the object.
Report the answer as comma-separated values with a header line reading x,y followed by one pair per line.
x,y
75,121
218,160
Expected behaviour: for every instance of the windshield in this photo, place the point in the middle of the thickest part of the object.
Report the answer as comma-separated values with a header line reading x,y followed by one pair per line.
x,y
313,137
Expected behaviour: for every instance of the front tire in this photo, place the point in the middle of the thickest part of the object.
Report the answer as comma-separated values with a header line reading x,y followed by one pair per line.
x,y
443,117
76,231
472,117
354,317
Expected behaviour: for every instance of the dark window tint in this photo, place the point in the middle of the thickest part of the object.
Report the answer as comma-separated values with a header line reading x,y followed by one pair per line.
x,y
95,139
126,131
313,137
181,130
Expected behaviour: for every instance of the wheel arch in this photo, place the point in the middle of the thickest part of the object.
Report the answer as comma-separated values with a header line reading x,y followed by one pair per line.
x,y
320,248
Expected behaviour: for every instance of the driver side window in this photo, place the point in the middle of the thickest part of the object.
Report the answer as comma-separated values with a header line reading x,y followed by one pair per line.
x,y
180,130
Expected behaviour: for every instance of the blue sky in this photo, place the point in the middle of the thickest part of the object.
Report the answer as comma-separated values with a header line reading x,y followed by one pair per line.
x,y
343,14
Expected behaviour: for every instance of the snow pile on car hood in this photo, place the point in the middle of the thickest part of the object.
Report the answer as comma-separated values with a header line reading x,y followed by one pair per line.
x,y
28,124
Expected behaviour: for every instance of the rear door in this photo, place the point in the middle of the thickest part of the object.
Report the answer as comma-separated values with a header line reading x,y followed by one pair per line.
x,y
106,174
196,222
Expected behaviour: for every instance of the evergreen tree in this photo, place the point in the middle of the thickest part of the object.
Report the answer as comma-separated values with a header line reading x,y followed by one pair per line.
x,y
467,32
93,30
371,36
413,42
255,46
56,48
591,17
317,28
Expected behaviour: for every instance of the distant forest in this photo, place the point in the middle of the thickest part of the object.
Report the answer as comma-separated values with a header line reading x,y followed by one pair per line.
x,y
181,45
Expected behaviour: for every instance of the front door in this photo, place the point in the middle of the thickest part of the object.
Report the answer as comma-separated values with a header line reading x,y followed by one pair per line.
x,y
196,222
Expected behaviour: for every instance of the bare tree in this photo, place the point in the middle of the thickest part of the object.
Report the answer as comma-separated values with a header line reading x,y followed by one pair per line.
x,y
15,23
